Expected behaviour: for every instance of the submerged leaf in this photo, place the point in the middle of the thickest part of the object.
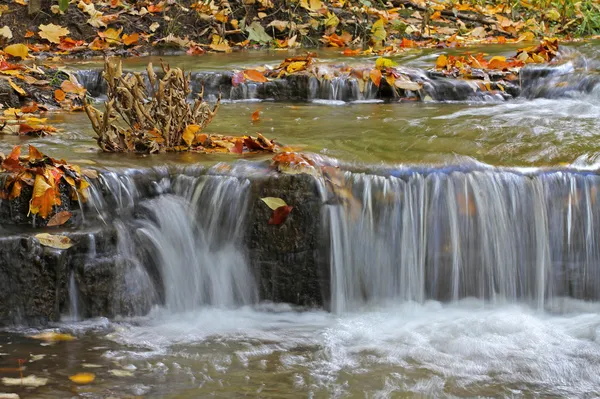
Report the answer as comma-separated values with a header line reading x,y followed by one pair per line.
x,y
82,378
53,336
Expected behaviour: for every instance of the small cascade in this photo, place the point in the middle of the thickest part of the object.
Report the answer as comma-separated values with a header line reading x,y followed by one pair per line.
x,y
498,235
195,239
73,299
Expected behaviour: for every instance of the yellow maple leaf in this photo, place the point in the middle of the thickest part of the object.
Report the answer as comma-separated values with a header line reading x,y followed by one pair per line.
x,y
17,50
52,32
111,35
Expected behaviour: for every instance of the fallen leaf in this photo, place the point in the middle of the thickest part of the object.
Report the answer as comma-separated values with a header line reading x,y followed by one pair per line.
x,y
375,76
189,133
128,40
6,33
280,214
29,381
54,241
273,202
383,63
60,218
52,32
17,50
441,62
154,27
257,33
407,85
17,88
256,116
121,373
59,95
254,75
82,378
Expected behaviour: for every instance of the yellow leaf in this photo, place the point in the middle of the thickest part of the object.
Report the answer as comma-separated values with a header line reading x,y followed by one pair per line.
x,y
17,50
332,20
17,88
111,35
59,242
442,62
296,66
52,32
82,378
189,133
273,202
51,335
382,63
220,44
378,31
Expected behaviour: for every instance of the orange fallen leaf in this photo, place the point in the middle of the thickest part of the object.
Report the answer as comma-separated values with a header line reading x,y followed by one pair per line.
x,y
59,95
254,75
128,40
256,115
375,76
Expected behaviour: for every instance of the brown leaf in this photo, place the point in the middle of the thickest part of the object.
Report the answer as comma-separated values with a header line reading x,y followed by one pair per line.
x,y
59,219
238,148
280,214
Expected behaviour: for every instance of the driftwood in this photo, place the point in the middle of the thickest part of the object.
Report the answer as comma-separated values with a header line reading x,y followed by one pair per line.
x,y
149,117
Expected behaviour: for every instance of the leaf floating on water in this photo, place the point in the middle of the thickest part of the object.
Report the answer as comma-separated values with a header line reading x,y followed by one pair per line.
x,y
121,373
280,214
53,336
29,381
59,219
54,241
273,202
91,365
35,358
82,378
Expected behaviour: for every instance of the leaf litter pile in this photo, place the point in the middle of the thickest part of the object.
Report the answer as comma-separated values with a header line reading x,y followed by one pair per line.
x,y
363,27
44,176
160,119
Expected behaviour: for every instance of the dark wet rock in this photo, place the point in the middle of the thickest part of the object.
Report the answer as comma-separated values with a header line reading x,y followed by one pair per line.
x,y
286,257
8,97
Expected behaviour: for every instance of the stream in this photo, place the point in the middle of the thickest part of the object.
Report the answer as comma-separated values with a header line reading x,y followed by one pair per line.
x,y
433,295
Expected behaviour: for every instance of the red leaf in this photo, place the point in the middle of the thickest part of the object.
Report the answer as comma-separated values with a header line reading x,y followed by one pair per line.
x,y
238,148
11,163
280,214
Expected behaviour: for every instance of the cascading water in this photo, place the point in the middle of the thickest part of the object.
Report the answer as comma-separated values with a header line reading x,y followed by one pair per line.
x,y
196,237
501,236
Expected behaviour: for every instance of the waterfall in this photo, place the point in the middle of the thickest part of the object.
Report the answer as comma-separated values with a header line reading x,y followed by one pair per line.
x,y
196,237
73,298
499,235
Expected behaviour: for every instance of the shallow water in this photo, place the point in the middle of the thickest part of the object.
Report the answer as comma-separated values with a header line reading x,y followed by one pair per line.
x,y
469,348
466,348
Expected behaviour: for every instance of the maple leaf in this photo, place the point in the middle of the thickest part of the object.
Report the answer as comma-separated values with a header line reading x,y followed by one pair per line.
x,y
52,32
